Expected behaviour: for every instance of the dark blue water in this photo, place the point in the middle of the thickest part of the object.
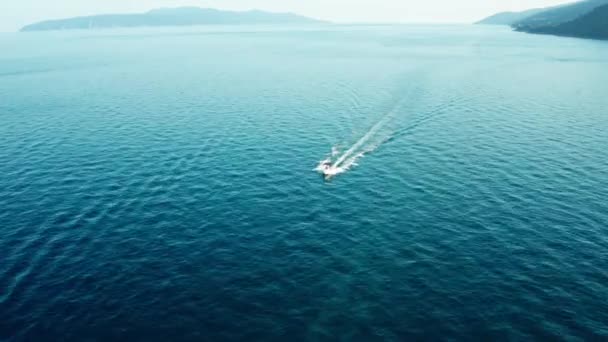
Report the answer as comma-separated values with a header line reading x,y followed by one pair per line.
x,y
157,185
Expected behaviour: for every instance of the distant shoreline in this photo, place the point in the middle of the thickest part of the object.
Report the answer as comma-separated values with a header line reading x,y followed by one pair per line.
x,y
584,19
181,16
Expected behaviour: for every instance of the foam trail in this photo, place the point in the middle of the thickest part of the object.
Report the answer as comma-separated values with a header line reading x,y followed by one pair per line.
x,y
357,150
335,151
351,161
361,141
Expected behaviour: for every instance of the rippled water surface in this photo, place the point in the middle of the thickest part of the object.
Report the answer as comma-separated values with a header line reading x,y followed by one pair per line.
x,y
158,185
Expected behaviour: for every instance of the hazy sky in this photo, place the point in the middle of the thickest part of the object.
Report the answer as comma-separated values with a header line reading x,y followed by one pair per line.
x,y
16,13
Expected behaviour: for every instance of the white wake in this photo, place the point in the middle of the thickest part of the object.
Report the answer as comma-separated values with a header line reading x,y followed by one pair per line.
x,y
338,162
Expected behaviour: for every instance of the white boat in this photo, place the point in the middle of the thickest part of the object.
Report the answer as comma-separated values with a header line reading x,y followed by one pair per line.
x,y
328,169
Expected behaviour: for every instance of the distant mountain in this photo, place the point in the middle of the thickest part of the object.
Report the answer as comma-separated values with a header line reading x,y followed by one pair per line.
x,y
554,16
508,18
585,19
182,16
543,16
591,25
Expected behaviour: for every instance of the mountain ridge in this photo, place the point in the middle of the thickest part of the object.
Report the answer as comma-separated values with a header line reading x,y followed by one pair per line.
x,y
176,16
593,25
507,18
584,19
557,15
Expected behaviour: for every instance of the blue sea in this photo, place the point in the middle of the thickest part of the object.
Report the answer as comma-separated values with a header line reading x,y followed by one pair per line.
x,y
159,185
